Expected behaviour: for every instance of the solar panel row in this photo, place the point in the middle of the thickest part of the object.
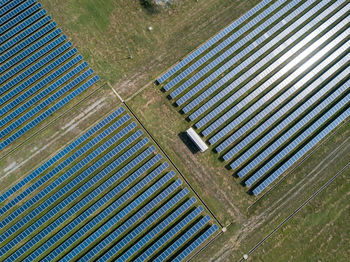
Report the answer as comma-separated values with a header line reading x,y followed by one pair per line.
x,y
35,77
153,233
343,103
70,148
241,43
44,93
223,45
302,151
278,102
49,111
35,88
282,111
135,232
129,208
179,227
247,97
73,196
101,202
209,232
269,46
213,40
270,93
34,110
19,18
16,11
9,6
182,239
71,172
273,78
16,31
28,41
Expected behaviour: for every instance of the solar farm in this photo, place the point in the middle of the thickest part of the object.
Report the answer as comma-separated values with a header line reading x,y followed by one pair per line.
x,y
262,104
232,144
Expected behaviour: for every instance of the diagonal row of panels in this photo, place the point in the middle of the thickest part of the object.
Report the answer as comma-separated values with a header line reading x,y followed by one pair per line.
x,y
40,71
108,196
278,79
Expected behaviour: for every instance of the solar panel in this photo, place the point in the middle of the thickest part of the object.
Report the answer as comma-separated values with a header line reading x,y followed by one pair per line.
x,y
49,111
28,41
147,223
182,239
30,103
179,227
90,197
16,31
71,147
301,152
101,202
213,40
196,243
224,44
19,18
69,160
282,111
275,76
154,232
260,64
141,199
30,91
16,11
35,77
300,139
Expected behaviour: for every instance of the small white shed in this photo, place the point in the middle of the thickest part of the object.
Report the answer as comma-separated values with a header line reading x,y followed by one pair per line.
x,y
196,139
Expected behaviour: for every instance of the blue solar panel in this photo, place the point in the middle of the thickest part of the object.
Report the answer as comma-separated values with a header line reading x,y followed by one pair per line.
x,y
129,208
30,103
71,172
160,243
49,111
35,77
271,9
91,197
305,121
222,119
154,232
35,67
32,90
19,18
146,224
50,99
283,110
257,65
16,31
28,41
183,239
100,203
71,147
16,11
213,40
34,57
9,6
251,59
302,152
195,244
263,113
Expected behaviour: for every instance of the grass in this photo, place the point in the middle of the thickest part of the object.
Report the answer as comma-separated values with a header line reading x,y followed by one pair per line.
x,y
103,31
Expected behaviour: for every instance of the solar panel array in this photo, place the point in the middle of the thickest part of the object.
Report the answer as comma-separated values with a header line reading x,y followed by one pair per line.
x,y
40,70
265,91
108,196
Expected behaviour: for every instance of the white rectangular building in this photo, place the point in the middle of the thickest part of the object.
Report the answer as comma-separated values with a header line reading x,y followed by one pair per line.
x,y
197,139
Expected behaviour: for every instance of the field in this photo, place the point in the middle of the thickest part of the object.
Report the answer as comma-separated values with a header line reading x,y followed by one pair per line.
x,y
107,32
